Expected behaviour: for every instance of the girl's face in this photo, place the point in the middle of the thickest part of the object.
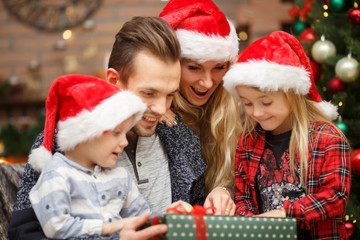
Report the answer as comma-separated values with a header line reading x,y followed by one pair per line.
x,y
270,109
199,80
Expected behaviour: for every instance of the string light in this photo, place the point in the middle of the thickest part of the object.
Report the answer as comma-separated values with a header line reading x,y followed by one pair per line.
x,y
340,103
325,7
67,34
324,89
243,35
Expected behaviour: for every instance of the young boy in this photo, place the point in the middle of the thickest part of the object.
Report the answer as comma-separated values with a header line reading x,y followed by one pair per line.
x,y
82,191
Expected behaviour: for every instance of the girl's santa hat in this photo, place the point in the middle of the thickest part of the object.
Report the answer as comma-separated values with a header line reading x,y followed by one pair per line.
x,y
203,31
276,62
81,108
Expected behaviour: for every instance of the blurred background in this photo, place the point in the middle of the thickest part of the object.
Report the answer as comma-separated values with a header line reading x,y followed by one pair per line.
x,y
41,40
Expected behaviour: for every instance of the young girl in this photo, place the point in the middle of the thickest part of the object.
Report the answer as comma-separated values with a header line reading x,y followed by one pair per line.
x,y
209,44
291,161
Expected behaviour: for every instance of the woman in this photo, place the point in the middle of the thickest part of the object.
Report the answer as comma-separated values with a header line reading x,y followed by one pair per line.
x,y
208,46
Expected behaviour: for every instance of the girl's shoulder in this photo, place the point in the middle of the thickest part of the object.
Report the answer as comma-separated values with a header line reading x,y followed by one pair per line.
x,y
325,129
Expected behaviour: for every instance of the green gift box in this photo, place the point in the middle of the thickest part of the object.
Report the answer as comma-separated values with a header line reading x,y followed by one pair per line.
x,y
211,227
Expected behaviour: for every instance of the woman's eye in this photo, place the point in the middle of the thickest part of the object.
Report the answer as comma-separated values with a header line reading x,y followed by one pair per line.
x,y
147,94
220,67
193,67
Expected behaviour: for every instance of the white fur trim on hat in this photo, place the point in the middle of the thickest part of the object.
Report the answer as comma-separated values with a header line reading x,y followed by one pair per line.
x,y
267,76
39,158
201,47
105,116
328,109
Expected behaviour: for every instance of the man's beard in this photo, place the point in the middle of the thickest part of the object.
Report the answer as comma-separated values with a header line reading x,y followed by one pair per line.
x,y
139,131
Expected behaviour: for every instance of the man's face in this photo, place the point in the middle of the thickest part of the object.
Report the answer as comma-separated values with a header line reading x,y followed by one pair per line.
x,y
155,82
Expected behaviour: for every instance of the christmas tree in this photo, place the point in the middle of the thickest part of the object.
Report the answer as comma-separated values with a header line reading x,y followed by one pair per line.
x,y
329,31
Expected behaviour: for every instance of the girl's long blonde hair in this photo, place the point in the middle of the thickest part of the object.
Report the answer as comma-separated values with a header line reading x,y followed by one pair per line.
x,y
218,125
304,112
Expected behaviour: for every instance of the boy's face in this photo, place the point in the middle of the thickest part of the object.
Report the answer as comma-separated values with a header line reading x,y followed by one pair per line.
x,y
155,82
103,150
270,109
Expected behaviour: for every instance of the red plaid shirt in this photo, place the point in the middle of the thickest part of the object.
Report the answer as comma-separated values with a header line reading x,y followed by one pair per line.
x,y
329,176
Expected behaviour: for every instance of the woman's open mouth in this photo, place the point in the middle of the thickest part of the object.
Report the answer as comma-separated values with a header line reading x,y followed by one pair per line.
x,y
200,93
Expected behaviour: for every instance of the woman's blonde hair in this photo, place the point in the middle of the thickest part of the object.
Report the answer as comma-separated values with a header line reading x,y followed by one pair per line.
x,y
218,125
304,112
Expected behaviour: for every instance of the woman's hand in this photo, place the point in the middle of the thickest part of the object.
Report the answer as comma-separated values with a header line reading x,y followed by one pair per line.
x,y
169,118
128,232
221,200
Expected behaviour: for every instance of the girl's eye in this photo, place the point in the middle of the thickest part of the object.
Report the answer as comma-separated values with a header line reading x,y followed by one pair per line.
x,y
247,104
267,103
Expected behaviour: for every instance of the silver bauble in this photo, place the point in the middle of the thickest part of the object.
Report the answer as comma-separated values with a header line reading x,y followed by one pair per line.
x,y
322,49
347,69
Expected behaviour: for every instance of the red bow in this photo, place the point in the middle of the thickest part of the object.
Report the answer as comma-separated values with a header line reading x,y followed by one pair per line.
x,y
197,211
296,11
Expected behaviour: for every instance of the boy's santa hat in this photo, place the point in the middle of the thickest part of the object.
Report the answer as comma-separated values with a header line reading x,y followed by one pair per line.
x,y
203,31
276,62
81,108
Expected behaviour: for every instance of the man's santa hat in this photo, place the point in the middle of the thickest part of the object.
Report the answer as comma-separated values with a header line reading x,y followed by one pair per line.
x,y
81,108
203,31
276,62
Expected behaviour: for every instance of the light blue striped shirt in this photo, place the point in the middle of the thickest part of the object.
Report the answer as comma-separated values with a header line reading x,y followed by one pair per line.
x,y
70,200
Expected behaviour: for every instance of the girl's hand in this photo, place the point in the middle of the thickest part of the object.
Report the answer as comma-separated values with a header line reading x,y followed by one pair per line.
x,y
280,212
221,200
169,118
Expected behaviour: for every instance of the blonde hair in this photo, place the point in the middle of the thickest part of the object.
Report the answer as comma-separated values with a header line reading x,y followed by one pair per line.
x,y
218,125
304,112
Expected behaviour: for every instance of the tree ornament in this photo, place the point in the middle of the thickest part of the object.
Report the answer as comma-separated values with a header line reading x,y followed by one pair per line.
x,y
355,161
336,85
350,229
315,68
347,69
299,27
307,35
342,126
353,16
337,5
322,49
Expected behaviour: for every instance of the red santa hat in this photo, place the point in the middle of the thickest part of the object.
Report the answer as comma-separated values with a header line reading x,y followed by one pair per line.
x,y
276,62
203,31
81,108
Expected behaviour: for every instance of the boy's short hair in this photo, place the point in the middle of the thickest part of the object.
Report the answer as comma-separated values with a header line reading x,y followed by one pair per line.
x,y
151,34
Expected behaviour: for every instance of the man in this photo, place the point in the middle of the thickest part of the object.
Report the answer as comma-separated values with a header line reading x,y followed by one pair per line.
x,y
165,163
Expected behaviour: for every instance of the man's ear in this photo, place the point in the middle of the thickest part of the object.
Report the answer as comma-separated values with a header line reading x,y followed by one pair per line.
x,y
113,77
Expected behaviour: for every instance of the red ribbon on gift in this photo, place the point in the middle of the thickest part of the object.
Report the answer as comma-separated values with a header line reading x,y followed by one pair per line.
x,y
198,212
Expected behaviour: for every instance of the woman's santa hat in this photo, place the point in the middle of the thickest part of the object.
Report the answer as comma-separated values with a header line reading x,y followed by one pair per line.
x,y
81,108
203,31
276,62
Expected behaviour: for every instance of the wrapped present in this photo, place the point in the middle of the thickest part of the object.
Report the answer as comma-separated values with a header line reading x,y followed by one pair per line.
x,y
211,227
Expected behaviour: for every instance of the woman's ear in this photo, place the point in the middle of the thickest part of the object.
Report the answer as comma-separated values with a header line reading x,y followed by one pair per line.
x,y
113,77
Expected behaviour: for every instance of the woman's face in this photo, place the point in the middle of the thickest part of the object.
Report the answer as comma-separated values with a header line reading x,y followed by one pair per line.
x,y
199,80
